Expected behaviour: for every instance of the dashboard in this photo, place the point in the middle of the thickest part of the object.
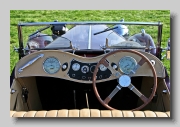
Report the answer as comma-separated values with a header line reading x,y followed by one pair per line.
x,y
59,64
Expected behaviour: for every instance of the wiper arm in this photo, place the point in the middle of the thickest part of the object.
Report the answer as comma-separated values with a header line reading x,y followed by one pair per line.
x,y
106,30
42,29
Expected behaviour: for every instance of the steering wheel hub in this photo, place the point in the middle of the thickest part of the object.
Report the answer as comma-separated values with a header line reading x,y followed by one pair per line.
x,y
124,81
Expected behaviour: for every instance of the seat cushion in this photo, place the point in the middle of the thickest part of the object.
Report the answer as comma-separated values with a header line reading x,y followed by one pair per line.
x,y
88,113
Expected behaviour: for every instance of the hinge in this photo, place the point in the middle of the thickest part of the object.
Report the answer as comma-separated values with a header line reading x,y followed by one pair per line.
x,y
24,94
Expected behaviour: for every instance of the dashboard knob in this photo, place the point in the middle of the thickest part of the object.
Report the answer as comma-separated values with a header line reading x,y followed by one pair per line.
x,y
114,67
64,66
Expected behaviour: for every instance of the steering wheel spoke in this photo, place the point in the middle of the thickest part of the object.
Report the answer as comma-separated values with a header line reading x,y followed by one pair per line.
x,y
108,99
114,72
138,93
139,64
104,62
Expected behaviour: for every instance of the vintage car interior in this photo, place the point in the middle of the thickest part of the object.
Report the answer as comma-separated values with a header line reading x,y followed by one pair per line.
x,y
90,82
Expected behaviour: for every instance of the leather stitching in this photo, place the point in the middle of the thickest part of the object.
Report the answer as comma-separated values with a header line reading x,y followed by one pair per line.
x,y
133,114
24,113
122,113
45,114
35,114
155,114
144,114
56,113
167,114
13,114
89,112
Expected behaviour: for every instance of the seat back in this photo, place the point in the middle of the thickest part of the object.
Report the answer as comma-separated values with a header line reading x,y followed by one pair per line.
x,y
88,113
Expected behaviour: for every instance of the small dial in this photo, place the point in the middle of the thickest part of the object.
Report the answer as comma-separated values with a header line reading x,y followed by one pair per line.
x,y
75,66
92,68
127,64
51,65
102,67
85,69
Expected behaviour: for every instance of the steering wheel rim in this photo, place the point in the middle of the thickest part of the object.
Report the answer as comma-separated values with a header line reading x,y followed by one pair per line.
x,y
141,62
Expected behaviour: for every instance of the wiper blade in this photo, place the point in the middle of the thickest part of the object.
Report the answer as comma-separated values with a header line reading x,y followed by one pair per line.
x,y
106,30
42,29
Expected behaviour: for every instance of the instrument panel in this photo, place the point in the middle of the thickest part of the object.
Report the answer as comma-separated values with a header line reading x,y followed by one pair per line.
x,y
84,71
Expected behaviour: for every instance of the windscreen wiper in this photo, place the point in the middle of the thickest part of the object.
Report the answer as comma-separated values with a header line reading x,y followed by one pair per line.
x,y
108,29
42,29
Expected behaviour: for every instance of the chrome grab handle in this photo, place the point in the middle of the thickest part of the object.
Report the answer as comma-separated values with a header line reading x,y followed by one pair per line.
x,y
30,62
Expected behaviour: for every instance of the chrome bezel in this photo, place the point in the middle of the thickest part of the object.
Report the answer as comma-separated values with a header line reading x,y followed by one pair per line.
x,y
74,64
54,71
104,66
129,57
86,67
91,68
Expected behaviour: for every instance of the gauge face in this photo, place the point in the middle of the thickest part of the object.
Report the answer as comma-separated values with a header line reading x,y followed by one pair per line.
x,y
51,65
75,66
126,64
85,69
102,67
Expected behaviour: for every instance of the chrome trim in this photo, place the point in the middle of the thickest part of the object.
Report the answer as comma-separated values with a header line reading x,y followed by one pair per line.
x,y
164,91
118,87
89,43
30,62
12,91
89,23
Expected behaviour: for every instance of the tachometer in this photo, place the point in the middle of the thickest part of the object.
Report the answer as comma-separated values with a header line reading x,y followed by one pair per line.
x,y
127,64
51,65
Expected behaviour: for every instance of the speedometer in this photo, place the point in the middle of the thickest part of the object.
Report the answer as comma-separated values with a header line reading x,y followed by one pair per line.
x,y
51,65
127,64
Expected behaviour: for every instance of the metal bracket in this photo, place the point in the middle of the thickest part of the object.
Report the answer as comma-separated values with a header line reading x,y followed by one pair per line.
x,y
30,62
103,48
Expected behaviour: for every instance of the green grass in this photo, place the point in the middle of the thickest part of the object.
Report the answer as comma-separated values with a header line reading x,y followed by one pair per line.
x,y
86,15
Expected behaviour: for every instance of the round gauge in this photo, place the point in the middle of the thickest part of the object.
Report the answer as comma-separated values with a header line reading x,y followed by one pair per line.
x,y
51,65
127,64
75,66
85,69
92,68
102,67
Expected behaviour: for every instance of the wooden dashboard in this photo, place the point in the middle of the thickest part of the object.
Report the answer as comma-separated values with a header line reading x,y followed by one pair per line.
x,y
32,65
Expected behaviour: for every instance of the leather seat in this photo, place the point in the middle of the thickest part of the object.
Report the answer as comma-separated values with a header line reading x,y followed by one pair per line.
x,y
88,113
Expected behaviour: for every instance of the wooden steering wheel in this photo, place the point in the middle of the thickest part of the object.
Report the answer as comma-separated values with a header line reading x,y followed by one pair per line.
x,y
124,80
